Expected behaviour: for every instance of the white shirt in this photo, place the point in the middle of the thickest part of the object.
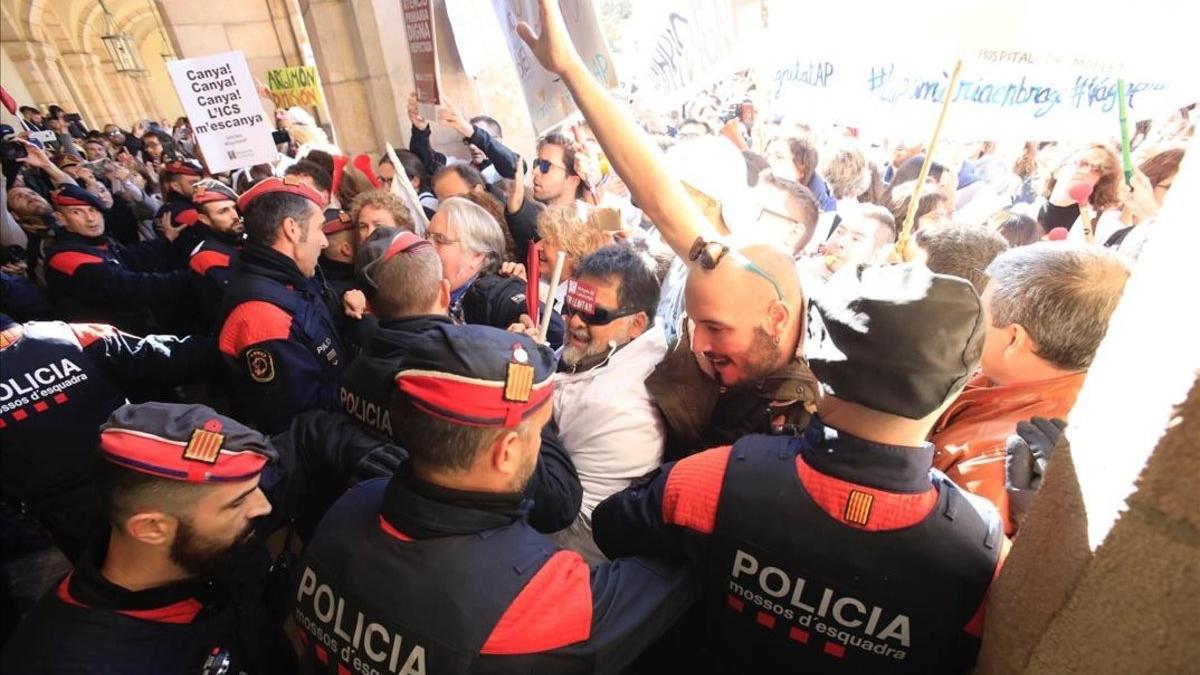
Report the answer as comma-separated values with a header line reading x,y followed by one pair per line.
x,y
608,422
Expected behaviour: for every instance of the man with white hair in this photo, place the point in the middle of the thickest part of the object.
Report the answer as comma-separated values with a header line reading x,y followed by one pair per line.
x,y
471,246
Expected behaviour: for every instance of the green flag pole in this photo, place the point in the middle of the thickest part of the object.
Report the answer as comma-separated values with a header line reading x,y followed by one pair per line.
x,y
1123,111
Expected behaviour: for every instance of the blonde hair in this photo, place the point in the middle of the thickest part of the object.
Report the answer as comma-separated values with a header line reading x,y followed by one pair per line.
x,y
383,199
562,227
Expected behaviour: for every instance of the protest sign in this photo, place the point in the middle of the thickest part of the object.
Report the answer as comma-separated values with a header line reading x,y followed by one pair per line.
x,y
298,85
1021,79
682,46
548,100
221,100
422,47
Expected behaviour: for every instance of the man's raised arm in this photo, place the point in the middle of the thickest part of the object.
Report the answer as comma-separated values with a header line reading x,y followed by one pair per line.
x,y
631,152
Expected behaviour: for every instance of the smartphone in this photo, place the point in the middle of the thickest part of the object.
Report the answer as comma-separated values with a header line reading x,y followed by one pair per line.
x,y
280,137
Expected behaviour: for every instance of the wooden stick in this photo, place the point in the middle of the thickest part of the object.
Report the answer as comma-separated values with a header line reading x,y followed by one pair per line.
x,y
554,279
906,230
1085,215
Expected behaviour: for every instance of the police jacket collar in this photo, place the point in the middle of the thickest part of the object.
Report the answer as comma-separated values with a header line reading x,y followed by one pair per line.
x,y
222,237
268,262
86,586
335,270
422,510
394,335
893,468
67,237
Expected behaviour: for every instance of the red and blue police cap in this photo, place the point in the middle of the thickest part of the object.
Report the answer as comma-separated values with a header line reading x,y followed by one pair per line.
x,y
212,190
894,338
336,220
476,376
190,443
288,184
73,195
183,167
381,246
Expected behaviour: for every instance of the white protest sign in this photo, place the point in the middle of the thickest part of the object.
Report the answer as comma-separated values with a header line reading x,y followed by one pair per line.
x,y
221,100
683,46
1031,70
548,100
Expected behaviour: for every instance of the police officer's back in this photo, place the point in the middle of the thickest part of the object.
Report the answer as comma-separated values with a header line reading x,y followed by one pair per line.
x,y
277,336
59,383
839,550
439,564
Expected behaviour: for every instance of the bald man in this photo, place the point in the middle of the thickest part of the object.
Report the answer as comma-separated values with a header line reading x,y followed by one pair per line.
x,y
735,370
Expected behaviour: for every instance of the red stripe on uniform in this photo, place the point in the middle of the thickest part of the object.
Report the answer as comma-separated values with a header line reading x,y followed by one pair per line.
x,y
835,650
204,261
253,322
68,262
182,612
391,531
553,610
693,490
887,510
41,406
187,217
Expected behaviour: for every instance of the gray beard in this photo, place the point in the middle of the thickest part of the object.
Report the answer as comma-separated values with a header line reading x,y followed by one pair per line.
x,y
572,356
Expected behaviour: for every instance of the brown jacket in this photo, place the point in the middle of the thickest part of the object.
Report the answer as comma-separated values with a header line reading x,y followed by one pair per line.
x,y
700,414
971,437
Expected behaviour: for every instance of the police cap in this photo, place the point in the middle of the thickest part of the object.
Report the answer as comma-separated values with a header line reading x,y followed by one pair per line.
x,y
183,167
73,195
211,190
289,184
190,443
384,244
336,220
895,338
476,376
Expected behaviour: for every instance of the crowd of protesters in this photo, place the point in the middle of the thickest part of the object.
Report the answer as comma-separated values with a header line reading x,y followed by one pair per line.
x,y
302,418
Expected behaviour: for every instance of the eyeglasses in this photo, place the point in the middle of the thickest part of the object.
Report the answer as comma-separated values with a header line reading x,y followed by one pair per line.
x,y
439,239
787,220
544,165
710,254
599,316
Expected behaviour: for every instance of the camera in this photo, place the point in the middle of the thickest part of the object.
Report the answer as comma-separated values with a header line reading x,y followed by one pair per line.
x,y
11,150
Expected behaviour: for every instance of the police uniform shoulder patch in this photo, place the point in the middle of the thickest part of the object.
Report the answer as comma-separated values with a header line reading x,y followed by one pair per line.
x,y
260,364
858,507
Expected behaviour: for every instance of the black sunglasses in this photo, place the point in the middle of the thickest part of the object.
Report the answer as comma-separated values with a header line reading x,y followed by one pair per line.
x,y
600,316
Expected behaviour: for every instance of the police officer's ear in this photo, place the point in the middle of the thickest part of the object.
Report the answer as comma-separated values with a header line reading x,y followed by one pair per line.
x,y
153,528
443,299
507,454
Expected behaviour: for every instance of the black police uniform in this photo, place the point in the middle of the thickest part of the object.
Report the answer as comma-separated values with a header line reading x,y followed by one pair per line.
x,y
405,577
366,393
279,341
97,279
90,625
821,553
499,302
58,383
212,263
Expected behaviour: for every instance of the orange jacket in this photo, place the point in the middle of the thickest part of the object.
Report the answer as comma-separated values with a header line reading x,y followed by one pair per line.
x,y
971,436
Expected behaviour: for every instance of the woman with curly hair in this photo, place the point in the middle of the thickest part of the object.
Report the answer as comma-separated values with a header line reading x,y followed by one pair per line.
x,y
1098,166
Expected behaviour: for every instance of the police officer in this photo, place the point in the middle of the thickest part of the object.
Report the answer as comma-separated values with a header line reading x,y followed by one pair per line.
x,y
840,550
403,277
438,564
277,335
180,582
337,259
220,226
177,179
93,278
58,383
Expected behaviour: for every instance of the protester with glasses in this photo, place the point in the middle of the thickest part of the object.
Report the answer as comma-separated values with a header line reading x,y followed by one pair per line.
x,y
556,178
604,414
1096,165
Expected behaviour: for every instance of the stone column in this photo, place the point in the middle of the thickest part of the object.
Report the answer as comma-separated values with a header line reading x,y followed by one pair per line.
x,y
38,71
94,87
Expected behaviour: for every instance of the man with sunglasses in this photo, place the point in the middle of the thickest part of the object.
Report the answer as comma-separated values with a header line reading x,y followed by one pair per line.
x,y
605,417
556,180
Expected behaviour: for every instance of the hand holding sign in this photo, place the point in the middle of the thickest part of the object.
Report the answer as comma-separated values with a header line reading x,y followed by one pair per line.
x,y
414,113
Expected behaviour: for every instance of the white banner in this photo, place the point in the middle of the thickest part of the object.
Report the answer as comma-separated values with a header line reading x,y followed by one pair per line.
x,y
221,100
1031,70
548,100
683,46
